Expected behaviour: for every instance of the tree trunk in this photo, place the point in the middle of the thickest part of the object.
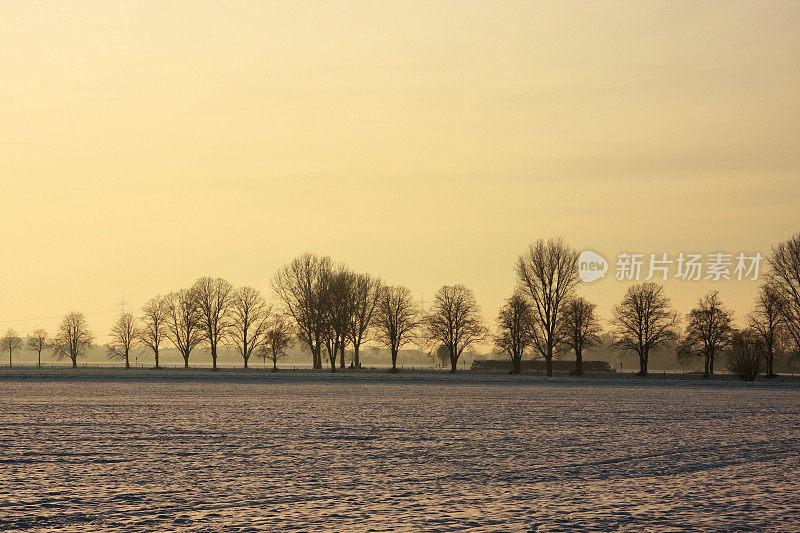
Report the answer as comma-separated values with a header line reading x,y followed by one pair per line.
x,y
127,360
516,361
356,359
394,361
453,365
711,364
341,354
578,362
9,358
770,359
549,360
39,363
245,361
275,365
643,364
185,361
213,357
74,361
155,352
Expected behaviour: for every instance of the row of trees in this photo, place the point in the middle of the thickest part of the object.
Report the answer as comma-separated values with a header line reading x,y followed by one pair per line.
x,y
330,308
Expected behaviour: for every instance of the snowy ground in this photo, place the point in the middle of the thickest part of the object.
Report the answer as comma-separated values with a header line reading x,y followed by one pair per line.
x,y
202,451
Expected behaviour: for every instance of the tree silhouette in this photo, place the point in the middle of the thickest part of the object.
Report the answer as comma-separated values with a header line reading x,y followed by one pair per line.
x,y
39,341
548,273
10,342
213,297
124,335
580,328
396,319
643,321
708,331
155,324
183,322
514,329
249,321
454,321
278,338
72,338
767,325
299,286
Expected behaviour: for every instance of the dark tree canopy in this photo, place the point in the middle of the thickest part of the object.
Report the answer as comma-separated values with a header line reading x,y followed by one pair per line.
x,y
124,335
708,331
396,319
72,338
454,321
548,273
580,328
514,326
155,324
643,321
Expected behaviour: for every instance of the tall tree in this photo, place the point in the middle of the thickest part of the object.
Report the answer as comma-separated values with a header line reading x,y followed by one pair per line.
x,y
708,331
581,328
766,324
277,339
784,277
365,291
396,319
643,321
72,338
548,273
183,322
124,335
249,321
515,329
299,285
39,341
214,296
155,324
338,304
454,321
10,342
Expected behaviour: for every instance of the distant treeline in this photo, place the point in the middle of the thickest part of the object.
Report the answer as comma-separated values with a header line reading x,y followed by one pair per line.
x,y
333,311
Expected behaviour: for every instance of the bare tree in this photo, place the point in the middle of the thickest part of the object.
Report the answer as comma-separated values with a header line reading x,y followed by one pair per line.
x,y
277,339
183,322
299,286
643,321
708,331
337,304
365,291
581,328
249,314
10,342
396,319
454,321
155,324
515,329
39,341
744,355
766,324
548,274
784,278
214,297
73,338
124,335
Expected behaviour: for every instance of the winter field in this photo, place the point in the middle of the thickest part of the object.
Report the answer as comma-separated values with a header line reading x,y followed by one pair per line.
x,y
173,450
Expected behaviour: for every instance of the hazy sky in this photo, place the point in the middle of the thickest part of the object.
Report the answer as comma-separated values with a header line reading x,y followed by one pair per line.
x,y
144,144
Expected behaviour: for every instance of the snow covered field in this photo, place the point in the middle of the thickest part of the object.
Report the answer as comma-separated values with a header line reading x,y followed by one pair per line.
x,y
198,451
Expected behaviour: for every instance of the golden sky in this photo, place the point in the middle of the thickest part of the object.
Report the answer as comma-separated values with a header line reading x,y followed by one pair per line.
x,y
144,144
